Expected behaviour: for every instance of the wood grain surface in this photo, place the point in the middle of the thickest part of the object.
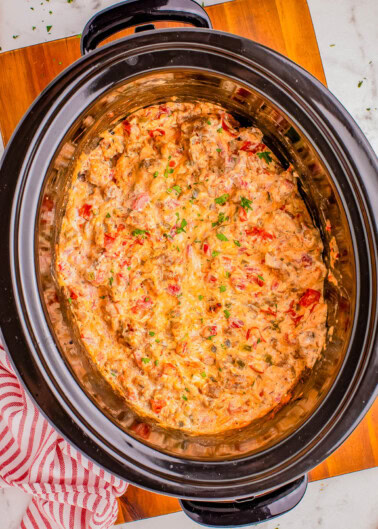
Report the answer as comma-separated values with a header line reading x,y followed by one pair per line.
x,y
284,25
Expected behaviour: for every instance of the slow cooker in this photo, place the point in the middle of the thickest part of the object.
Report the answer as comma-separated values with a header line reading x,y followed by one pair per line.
x,y
259,471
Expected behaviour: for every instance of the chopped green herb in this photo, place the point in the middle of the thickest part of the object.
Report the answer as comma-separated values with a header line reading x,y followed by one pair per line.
x,y
220,130
222,199
91,275
237,242
146,360
368,109
69,1
228,273
129,268
227,313
102,297
222,288
151,333
70,300
246,203
156,362
138,232
48,28
34,27
156,174
214,253
359,84
332,45
260,277
265,156
258,340
219,150
182,227
16,36
111,279
208,122
200,297
203,374
177,189
157,340
221,237
107,215
185,397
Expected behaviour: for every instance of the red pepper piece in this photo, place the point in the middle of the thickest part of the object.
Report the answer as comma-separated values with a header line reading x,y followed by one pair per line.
x,y
85,211
126,126
310,297
156,132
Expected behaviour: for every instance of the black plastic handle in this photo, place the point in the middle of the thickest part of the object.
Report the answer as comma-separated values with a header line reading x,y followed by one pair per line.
x,y
249,511
133,12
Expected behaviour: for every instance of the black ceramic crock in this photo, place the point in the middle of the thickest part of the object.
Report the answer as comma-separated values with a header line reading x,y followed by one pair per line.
x,y
260,471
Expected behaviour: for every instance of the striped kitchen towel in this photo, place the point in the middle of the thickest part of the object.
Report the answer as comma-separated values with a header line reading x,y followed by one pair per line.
x,y
69,491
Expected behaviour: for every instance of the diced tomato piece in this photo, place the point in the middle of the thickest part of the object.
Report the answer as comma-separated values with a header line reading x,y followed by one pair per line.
x,y
156,132
142,304
171,163
142,429
306,260
157,405
174,289
236,324
108,239
85,210
120,227
258,232
252,148
297,319
242,215
291,310
309,298
126,126
210,330
205,248
212,279
269,311
163,109
73,295
226,127
259,281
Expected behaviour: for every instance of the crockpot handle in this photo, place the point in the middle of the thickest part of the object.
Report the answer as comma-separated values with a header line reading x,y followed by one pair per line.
x,y
248,511
133,12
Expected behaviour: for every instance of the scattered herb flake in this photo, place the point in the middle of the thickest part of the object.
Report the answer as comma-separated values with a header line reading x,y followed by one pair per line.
x,y
107,215
214,253
182,226
137,232
111,279
228,273
261,277
185,397
16,36
151,333
222,199
70,300
48,28
237,243
227,313
177,189
156,174
208,121
203,374
145,360
220,130
246,203
265,156
332,45
222,288
34,27
219,150
156,362
359,84
221,237
200,297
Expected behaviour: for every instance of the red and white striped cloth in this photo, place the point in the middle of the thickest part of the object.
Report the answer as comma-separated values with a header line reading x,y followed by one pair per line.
x,y
69,491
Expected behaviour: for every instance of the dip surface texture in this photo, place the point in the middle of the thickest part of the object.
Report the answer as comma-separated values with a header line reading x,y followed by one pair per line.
x,y
192,268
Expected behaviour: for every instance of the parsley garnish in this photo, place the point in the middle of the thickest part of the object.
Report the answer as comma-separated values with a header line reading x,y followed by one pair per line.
x,y
185,397
220,130
214,253
138,232
221,219
146,360
221,237
222,199
209,122
203,374
246,203
156,362
222,288
265,156
91,275
228,273
182,226
219,150
177,189
237,242
129,268
268,359
111,279
359,84
48,28
227,313
107,215
260,277
156,174
151,333
200,297
70,300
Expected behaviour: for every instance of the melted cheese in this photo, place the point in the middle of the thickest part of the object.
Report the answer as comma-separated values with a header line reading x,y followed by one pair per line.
x,y
192,268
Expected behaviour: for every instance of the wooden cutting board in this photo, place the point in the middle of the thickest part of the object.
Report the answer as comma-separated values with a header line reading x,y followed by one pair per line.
x,y
284,25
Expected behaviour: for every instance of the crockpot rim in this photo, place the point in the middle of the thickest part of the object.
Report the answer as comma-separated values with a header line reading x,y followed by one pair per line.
x,y
119,44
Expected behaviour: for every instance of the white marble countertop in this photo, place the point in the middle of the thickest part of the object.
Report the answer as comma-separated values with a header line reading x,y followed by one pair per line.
x,y
348,41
